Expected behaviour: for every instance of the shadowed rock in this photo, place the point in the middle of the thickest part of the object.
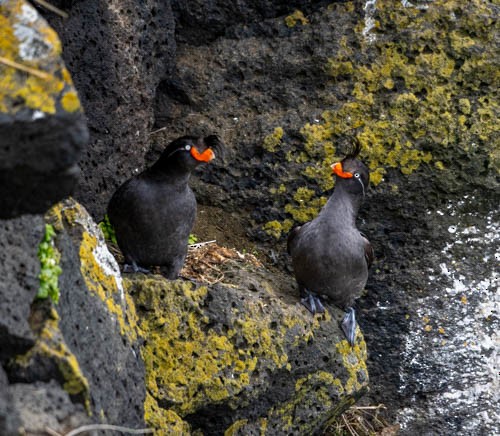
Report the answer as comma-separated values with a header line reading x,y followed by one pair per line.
x,y
42,127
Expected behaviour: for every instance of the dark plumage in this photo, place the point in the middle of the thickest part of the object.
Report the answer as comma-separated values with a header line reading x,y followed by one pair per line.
x,y
330,256
154,212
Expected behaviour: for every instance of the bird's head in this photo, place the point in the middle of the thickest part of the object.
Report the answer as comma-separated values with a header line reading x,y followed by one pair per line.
x,y
187,152
352,173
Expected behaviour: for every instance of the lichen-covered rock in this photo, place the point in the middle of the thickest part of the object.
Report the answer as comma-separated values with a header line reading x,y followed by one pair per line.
x,y
97,322
42,128
224,358
87,342
19,269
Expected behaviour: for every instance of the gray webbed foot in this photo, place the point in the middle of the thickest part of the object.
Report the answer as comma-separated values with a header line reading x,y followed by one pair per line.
x,y
134,268
349,325
312,303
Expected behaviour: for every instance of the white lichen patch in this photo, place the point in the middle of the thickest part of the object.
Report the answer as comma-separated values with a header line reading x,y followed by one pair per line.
x,y
32,44
370,8
451,354
102,255
109,265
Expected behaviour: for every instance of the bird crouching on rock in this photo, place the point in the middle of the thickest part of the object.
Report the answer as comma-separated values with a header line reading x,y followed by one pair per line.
x,y
153,213
329,254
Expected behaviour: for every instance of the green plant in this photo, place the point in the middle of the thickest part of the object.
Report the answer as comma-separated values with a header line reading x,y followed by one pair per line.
x,y
192,239
108,230
49,266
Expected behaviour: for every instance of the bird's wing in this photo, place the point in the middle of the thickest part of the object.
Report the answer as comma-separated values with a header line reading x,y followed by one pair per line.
x,y
369,254
291,237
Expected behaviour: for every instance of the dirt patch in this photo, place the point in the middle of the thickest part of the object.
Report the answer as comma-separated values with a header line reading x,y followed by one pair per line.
x,y
227,228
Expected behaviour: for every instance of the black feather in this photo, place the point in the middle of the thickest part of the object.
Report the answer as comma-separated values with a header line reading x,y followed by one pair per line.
x,y
216,144
353,153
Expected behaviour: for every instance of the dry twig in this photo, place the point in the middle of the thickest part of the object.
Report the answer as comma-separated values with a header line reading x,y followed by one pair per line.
x,y
26,69
91,427
52,8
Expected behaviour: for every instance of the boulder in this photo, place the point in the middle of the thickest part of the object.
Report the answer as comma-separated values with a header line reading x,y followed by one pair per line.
x,y
42,127
236,359
87,343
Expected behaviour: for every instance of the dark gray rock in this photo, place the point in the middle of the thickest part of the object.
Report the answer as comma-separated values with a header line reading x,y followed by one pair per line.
x,y
118,53
19,269
10,422
199,22
46,405
38,161
42,127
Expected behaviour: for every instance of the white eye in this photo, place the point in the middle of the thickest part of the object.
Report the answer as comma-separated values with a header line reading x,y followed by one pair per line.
x,y
187,147
357,175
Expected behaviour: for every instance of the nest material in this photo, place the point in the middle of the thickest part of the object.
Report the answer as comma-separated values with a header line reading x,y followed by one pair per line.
x,y
205,262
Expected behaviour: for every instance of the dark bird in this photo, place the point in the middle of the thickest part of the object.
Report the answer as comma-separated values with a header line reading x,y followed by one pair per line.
x,y
330,256
154,212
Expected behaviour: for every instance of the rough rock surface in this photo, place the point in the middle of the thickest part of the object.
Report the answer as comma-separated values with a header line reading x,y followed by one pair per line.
x,y
117,52
10,422
416,82
42,128
95,319
19,269
230,360
46,405
87,343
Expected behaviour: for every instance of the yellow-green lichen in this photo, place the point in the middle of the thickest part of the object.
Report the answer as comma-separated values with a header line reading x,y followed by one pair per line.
x,y
424,93
277,228
306,205
234,429
354,360
100,280
163,421
297,17
272,141
31,69
319,391
189,363
50,344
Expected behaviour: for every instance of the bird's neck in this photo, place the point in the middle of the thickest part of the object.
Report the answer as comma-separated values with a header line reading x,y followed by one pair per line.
x,y
342,208
171,174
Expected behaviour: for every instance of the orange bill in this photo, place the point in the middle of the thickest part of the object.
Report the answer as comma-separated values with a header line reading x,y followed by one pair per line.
x,y
205,156
338,170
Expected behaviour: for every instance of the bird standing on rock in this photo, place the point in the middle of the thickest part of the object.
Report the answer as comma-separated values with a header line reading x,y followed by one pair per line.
x,y
330,256
154,212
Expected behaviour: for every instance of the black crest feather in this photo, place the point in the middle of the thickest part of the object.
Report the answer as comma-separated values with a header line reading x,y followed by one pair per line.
x,y
355,149
216,144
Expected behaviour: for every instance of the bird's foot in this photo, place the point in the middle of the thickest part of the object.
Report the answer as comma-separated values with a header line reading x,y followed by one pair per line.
x,y
312,303
134,268
349,325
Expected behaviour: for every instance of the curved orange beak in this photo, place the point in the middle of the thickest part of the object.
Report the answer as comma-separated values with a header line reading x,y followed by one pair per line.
x,y
206,156
337,169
